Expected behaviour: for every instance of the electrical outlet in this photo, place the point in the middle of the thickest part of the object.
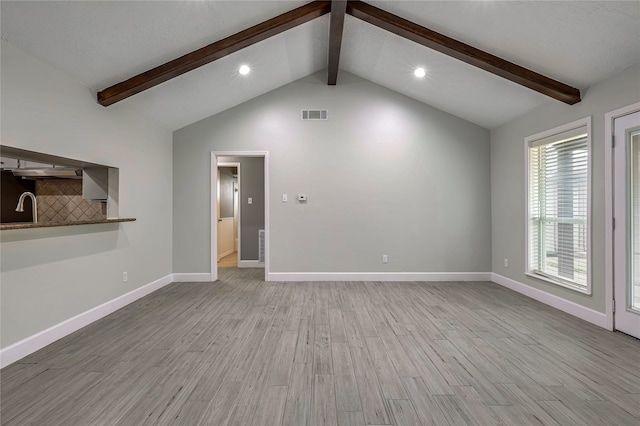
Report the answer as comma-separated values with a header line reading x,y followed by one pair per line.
x,y
506,263
124,277
385,258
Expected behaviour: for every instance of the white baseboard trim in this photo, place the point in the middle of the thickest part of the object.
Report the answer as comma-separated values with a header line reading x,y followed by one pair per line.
x,y
379,276
20,349
191,277
250,264
226,253
584,313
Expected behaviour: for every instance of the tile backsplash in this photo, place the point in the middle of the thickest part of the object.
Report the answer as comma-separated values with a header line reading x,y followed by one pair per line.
x,y
61,201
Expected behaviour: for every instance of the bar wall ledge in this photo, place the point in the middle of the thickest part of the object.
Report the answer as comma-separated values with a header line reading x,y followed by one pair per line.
x,y
29,225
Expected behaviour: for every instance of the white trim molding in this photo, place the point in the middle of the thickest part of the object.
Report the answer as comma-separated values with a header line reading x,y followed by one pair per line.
x,y
584,313
379,276
250,264
225,254
192,277
27,346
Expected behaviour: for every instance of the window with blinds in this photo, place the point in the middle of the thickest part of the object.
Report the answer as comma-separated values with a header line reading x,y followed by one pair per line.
x,y
559,208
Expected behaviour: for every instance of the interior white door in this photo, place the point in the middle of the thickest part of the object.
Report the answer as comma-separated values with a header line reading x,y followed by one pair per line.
x,y
627,224
225,237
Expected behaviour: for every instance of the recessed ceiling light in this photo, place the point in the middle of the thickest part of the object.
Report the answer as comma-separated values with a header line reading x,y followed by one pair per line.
x,y
244,69
420,72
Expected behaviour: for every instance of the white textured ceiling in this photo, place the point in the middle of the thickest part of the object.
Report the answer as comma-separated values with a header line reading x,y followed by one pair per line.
x,y
104,42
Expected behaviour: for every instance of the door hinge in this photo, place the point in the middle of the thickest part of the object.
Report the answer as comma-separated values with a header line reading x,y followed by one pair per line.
x,y
613,306
613,223
613,141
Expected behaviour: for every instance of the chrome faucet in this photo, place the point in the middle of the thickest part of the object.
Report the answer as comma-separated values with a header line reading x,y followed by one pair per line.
x,y
34,204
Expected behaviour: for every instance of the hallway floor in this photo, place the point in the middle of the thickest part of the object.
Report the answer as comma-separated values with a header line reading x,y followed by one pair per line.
x,y
229,260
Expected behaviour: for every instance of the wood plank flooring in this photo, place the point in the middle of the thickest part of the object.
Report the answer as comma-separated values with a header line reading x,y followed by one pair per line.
x,y
244,352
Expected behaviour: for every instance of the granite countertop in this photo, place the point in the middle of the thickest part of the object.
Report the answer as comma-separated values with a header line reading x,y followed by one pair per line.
x,y
27,225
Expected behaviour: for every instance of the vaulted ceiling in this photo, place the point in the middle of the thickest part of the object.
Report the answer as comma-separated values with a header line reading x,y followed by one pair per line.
x,y
102,43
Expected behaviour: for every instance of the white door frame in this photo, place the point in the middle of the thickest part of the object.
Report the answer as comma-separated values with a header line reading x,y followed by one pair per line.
x,y
214,206
609,119
238,228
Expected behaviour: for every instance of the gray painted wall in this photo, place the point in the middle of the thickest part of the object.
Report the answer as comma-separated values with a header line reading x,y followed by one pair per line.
x,y
251,215
508,181
52,274
384,175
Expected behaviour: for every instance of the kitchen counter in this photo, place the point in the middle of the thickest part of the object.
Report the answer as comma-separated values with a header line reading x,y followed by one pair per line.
x,y
28,225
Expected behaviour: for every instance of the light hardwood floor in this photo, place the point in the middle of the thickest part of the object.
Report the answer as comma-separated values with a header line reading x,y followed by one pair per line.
x,y
229,260
244,352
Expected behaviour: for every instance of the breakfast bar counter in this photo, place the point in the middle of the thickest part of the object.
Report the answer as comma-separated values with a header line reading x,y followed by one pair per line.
x,y
28,225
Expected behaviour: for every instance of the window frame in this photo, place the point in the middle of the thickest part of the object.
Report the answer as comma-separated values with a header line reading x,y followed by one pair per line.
x,y
557,131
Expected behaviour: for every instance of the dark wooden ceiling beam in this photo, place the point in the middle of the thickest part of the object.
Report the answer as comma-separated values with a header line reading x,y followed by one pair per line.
x,y
338,9
463,52
212,52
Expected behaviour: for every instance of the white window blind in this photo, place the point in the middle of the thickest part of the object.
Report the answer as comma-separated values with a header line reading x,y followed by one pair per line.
x,y
559,207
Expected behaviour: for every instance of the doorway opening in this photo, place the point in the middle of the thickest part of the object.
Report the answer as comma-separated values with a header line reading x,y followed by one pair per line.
x,y
241,214
229,225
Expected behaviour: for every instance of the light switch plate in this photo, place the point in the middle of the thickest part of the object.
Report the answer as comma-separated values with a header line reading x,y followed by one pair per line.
x,y
250,200
284,198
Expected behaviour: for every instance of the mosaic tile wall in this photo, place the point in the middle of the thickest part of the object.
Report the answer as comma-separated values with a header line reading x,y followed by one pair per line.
x,y
61,201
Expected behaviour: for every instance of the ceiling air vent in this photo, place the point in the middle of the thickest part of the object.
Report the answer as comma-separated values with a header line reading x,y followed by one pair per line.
x,y
314,114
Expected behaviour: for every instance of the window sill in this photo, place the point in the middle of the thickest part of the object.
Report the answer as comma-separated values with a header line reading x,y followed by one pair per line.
x,y
560,283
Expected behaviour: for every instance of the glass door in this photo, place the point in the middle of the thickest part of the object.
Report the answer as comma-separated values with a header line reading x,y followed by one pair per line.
x,y
627,224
